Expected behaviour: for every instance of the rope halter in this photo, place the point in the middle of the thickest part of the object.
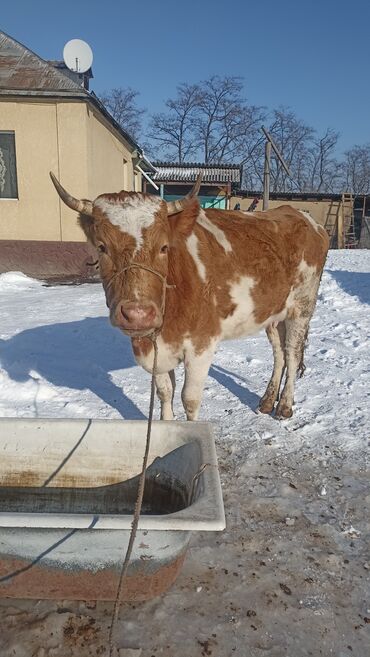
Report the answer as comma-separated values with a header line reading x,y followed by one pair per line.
x,y
165,286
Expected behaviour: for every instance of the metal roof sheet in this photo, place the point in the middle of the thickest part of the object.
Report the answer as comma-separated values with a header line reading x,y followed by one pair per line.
x,y
212,173
21,69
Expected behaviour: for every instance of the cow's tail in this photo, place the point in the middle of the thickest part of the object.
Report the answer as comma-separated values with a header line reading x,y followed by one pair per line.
x,y
302,366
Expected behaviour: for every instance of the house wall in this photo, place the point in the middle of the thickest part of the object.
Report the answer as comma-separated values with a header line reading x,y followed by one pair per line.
x,y
74,142
109,162
39,234
35,214
71,165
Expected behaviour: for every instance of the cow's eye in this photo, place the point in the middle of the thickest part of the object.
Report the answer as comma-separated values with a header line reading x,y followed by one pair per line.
x,y
102,248
164,248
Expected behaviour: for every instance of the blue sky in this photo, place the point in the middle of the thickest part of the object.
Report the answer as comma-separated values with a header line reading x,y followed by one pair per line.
x,y
312,56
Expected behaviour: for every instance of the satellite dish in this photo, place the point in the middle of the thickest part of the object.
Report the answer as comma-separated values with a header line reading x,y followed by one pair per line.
x,y
77,55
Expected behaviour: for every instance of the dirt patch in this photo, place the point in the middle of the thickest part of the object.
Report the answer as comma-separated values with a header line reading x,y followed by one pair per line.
x,y
262,587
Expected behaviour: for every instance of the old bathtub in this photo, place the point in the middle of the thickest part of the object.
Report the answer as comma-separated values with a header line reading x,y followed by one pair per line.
x,y
67,493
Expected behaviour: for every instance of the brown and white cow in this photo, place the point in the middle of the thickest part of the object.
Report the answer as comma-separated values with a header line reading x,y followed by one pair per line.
x,y
225,273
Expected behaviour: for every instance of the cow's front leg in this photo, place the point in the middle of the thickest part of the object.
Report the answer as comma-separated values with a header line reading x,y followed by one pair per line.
x,y
165,384
196,370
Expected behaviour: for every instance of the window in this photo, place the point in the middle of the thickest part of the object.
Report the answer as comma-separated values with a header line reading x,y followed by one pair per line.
x,y
8,168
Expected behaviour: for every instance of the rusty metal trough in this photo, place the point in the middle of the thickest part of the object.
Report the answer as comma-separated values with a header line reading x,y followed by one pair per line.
x,y
67,494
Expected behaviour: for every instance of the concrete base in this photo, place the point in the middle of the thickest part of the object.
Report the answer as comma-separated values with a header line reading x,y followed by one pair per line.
x,y
49,260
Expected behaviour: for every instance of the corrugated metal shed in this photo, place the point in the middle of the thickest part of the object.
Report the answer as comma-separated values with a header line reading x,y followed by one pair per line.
x,y
217,174
21,69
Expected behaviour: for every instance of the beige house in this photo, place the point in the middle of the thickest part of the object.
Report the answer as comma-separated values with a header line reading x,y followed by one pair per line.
x,y
49,121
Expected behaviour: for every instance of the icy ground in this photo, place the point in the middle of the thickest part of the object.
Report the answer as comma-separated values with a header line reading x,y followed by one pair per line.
x,y
290,576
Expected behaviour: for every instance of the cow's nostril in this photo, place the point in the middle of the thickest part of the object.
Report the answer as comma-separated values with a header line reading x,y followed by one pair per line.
x,y
150,313
124,314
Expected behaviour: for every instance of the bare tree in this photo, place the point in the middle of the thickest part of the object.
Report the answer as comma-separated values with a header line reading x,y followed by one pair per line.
x,y
324,169
172,132
212,121
226,125
311,159
209,121
356,170
293,138
122,104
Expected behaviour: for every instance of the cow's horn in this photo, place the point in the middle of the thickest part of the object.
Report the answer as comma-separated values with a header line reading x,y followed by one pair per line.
x,y
173,207
82,206
195,191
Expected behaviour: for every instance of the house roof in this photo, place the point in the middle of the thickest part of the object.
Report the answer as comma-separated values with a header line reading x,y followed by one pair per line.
x,y
80,78
187,173
23,73
22,69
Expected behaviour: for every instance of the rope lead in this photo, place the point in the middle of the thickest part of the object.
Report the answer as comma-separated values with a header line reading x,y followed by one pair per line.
x,y
139,501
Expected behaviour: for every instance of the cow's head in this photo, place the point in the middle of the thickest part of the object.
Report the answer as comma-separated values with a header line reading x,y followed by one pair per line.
x,y
133,234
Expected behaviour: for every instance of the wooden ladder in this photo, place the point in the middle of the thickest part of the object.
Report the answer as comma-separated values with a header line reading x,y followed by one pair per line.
x,y
348,223
332,221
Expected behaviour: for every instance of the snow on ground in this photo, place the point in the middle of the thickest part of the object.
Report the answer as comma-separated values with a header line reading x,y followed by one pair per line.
x,y
290,576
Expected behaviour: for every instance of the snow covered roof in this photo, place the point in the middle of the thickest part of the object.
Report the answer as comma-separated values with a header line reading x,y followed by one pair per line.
x,y
212,173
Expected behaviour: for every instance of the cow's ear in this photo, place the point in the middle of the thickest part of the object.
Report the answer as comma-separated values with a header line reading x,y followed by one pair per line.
x,y
183,222
88,224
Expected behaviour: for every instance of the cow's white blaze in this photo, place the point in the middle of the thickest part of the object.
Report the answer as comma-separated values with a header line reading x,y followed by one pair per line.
x,y
217,233
192,244
131,215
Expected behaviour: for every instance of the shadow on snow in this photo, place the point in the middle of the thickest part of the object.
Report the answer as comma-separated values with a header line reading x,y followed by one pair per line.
x,y
77,355
354,283
229,380
80,355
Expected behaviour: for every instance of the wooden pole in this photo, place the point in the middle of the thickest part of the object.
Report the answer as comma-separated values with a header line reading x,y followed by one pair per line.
x,y
228,196
276,151
266,176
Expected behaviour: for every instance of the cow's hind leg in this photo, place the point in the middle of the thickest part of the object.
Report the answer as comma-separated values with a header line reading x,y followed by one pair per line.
x,y
276,336
165,384
296,334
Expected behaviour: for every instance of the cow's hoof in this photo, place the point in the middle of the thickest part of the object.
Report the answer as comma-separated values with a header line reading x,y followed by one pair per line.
x,y
266,406
283,412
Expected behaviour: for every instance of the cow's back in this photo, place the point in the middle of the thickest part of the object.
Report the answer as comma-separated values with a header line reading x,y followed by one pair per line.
x,y
287,233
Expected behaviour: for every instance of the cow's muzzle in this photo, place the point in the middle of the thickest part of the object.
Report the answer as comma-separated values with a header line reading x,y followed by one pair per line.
x,y
138,319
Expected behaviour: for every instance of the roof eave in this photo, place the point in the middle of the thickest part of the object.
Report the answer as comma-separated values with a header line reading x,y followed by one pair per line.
x,y
41,93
